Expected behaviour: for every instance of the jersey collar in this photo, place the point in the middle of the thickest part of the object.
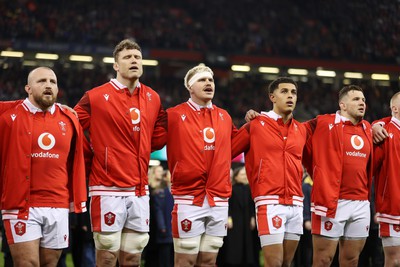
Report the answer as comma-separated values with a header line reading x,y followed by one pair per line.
x,y
33,109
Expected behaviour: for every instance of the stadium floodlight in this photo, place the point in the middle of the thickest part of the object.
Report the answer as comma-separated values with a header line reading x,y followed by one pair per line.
x,y
353,75
109,60
81,58
29,63
6,53
326,73
268,70
240,68
149,62
380,77
297,71
46,56
88,66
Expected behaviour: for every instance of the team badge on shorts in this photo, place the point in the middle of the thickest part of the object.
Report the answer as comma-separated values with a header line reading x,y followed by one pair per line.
x,y
328,225
20,228
277,222
186,225
396,228
109,218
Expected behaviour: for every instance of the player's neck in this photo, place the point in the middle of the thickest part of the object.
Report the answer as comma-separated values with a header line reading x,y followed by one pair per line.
x,y
129,83
201,102
352,119
285,116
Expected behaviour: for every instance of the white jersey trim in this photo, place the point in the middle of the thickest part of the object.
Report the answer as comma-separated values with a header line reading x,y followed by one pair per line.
x,y
319,210
101,190
9,214
274,199
387,218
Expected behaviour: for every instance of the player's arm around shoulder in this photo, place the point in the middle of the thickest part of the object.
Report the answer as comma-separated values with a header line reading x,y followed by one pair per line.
x,y
241,140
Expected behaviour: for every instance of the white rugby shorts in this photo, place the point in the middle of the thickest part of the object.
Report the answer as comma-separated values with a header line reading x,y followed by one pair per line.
x,y
113,213
50,225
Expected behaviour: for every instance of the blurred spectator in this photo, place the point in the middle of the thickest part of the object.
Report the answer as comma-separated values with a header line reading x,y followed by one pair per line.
x,y
238,247
304,251
155,178
163,205
5,249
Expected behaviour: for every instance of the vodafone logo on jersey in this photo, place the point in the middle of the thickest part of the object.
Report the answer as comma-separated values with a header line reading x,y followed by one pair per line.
x,y
209,135
209,138
357,143
46,141
135,117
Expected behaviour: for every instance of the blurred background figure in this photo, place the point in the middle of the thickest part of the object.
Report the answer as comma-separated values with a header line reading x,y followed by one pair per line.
x,y
163,205
155,178
160,251
303,256
240,248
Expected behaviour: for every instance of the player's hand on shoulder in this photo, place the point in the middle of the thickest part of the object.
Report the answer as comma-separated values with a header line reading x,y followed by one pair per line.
x,y
70,109
251,115
379,133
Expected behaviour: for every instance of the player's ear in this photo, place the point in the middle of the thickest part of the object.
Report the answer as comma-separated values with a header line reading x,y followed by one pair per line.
x,y
115,66
342,105
28,89
272,97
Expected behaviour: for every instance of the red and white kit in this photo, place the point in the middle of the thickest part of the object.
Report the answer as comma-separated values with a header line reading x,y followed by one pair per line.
x,y
387,182
40,168
42,173
339,157
121,126
273,154
199,156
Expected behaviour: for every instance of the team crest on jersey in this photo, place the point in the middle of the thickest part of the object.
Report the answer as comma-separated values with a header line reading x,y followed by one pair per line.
x,y
328,225
186,225
109,218
221,116
62,126
148,96
277,222
20,228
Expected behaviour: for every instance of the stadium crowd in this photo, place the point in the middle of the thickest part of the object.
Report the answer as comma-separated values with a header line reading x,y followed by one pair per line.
x,y
362,31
